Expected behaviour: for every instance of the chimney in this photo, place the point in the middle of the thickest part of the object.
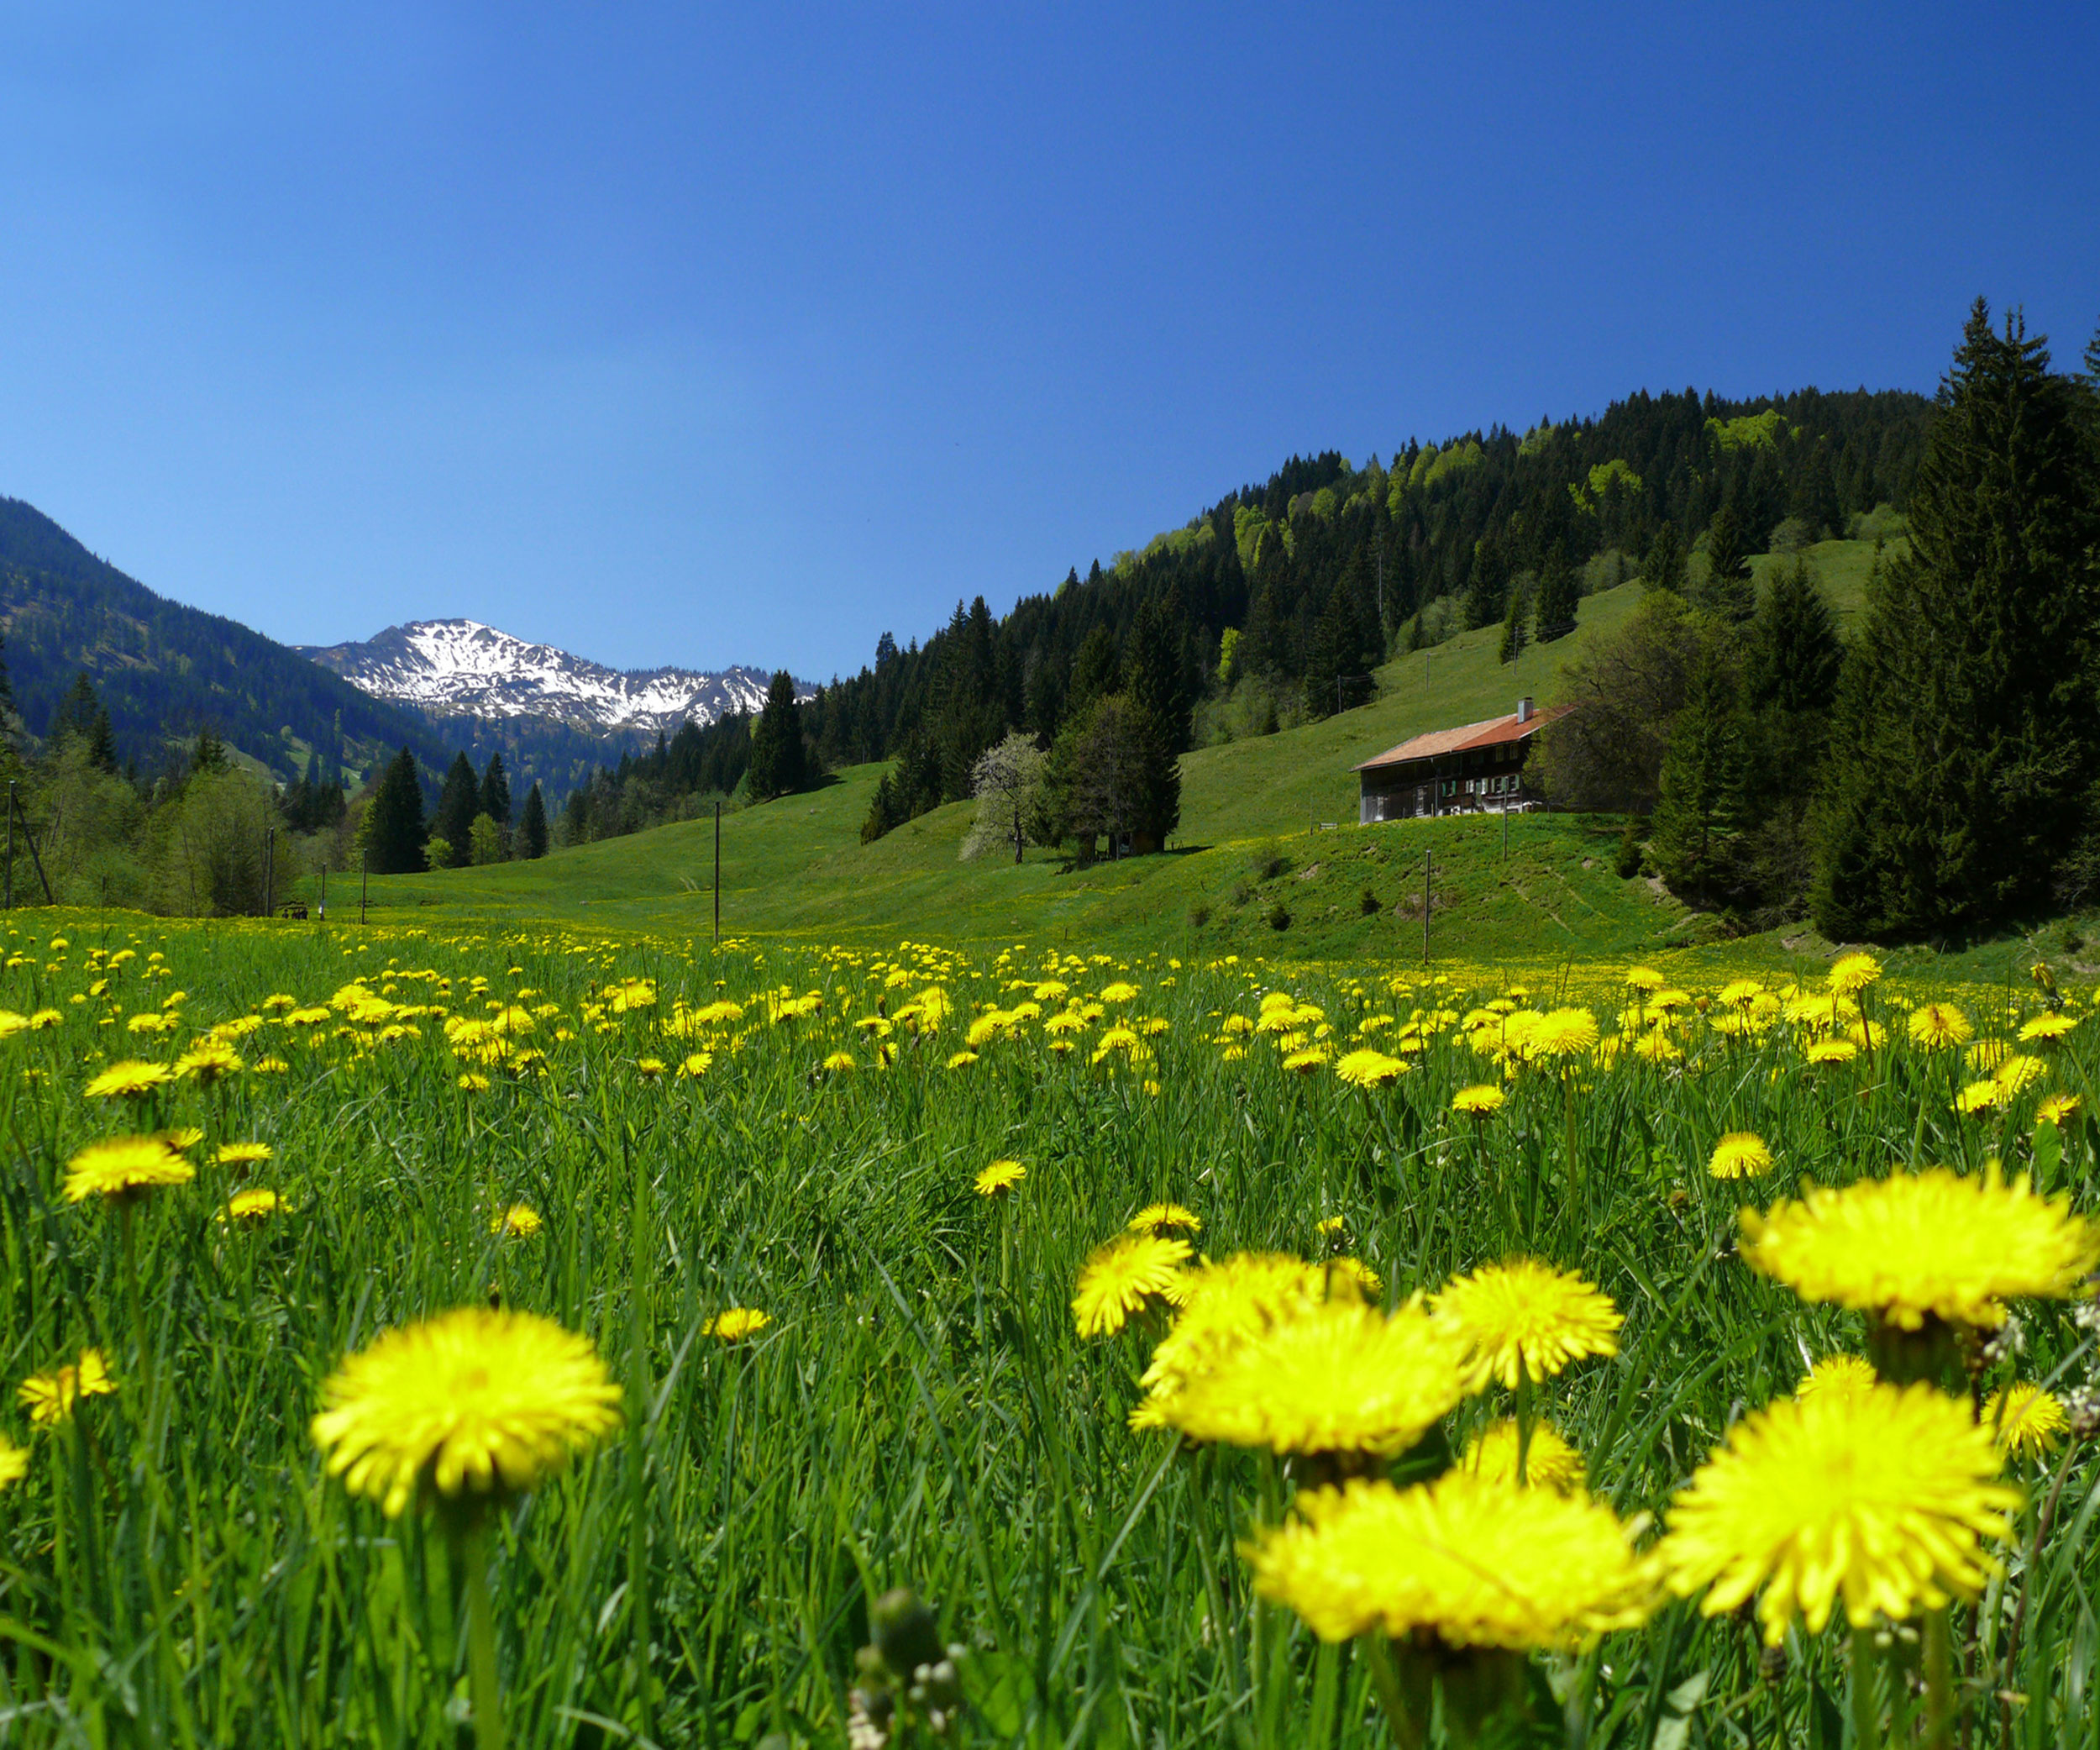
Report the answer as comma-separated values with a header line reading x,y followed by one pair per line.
x,y
1524,709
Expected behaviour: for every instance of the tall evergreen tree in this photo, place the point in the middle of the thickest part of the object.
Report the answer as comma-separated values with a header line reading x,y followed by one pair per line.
x,y
393,831
1487,585
496,790
1559,596
457,803
1792,655
1151,671
532,825
209,754
777,764
1514,638
1664,567
1728,592
1699,813
1963,742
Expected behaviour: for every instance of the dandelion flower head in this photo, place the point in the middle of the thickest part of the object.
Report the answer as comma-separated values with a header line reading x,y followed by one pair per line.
x,y
1335,1376
1882,1499
49,1398
1474,1562
736,1324
1481,1101
130,1079
1364,1067
1124,1276
521,1221
1549,1463
1526,1319
1936,1026
14,1463
1164,1219
124,1168
2026,1421
253,1208
476,1402
1739,1154
1001,1175
1843,1374
1936,1244
1851,974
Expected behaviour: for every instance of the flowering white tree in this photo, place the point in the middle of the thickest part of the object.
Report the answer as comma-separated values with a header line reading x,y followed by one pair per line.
x,y
1005,780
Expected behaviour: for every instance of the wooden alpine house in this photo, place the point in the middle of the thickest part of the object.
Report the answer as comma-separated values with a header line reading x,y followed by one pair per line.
x,y
1474,769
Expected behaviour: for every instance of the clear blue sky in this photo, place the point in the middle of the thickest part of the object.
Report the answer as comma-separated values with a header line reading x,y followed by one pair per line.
x,y
678,333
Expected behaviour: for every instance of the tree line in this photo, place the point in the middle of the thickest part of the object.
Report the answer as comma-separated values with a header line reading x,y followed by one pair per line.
x,y
1275,604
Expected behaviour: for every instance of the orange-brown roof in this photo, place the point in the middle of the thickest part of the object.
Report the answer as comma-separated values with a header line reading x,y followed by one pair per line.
x,y
1489,732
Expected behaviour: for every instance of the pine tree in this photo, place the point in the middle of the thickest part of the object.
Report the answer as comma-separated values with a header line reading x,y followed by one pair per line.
x,y
1512,634
393,831
1151,671
532,826
1962,744
495,790
457,803
1559,596
777,764
1729,591
1487,585
209,754
1664,567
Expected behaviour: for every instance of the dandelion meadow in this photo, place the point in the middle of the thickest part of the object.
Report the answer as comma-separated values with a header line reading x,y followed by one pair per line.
x,y
535,1337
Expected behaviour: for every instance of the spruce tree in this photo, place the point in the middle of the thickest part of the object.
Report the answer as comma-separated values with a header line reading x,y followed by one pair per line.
x,y
1559,596
1664,567
1700,812
1487,585
1151,671
776,767
1729,591
532,826
457,803
1792,655
102,740
496,791
1513,637
209,754
1963,742
393,831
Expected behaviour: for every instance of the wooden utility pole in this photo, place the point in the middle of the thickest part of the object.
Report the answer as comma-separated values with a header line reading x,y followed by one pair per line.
x,y
718,874
1426,908
363,885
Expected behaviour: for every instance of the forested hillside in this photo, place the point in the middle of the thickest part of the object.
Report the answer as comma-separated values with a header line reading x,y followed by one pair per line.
x,y
1275,604
165,672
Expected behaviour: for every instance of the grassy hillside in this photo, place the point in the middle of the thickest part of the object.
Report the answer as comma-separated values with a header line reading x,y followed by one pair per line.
x,y
1267,822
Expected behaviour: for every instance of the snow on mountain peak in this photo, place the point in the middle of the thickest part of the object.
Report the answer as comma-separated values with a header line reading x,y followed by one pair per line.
x,y
463,668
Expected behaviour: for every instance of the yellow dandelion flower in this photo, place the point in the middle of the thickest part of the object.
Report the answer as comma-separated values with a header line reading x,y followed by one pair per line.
x,y
1851,974
2057,1109
1331,1376
649,1068
477,1403
124,1168
1481,1100
1739,1154
696,1064
736,1324
2018,1074
1936,1026
1841,1373
1979,1096
243,1154
1883,1498
1643,978
839,1063
1656,1046
1564,1033
2024,1420
14,1463
1119,992
1305,1060
1549,1463
129,1079
472,1083
963,1059
1933,1243
1122,1277
521,1221
271,1066
1164,1217
43,1020
1001,1175
51,1398
1365,1067
1472,1562
1526,1320
253,1208
1983,1058
2048,1028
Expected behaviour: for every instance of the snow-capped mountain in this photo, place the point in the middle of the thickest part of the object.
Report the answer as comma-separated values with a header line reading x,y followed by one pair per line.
x,y
460,667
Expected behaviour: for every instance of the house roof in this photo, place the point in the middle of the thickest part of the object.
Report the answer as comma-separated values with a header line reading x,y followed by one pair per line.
x,y
1489,732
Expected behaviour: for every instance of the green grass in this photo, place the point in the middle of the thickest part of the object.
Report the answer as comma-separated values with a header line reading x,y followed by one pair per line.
x,y
176,1568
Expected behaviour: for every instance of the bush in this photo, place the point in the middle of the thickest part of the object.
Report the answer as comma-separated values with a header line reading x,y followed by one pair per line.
x,y
1279,916
1368,903
1626,861
1198,915
1269,862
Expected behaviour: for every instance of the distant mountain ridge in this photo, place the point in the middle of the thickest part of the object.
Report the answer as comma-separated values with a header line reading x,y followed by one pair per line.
x,y
463,668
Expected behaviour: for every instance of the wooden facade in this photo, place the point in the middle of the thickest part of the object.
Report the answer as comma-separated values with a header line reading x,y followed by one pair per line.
x,y
1475,768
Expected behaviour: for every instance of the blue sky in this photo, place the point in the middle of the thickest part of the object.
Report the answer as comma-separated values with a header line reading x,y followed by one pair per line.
x,y
673,334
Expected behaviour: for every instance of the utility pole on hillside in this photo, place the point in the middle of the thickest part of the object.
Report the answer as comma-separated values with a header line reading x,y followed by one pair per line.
x,y
1425,908
717,874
